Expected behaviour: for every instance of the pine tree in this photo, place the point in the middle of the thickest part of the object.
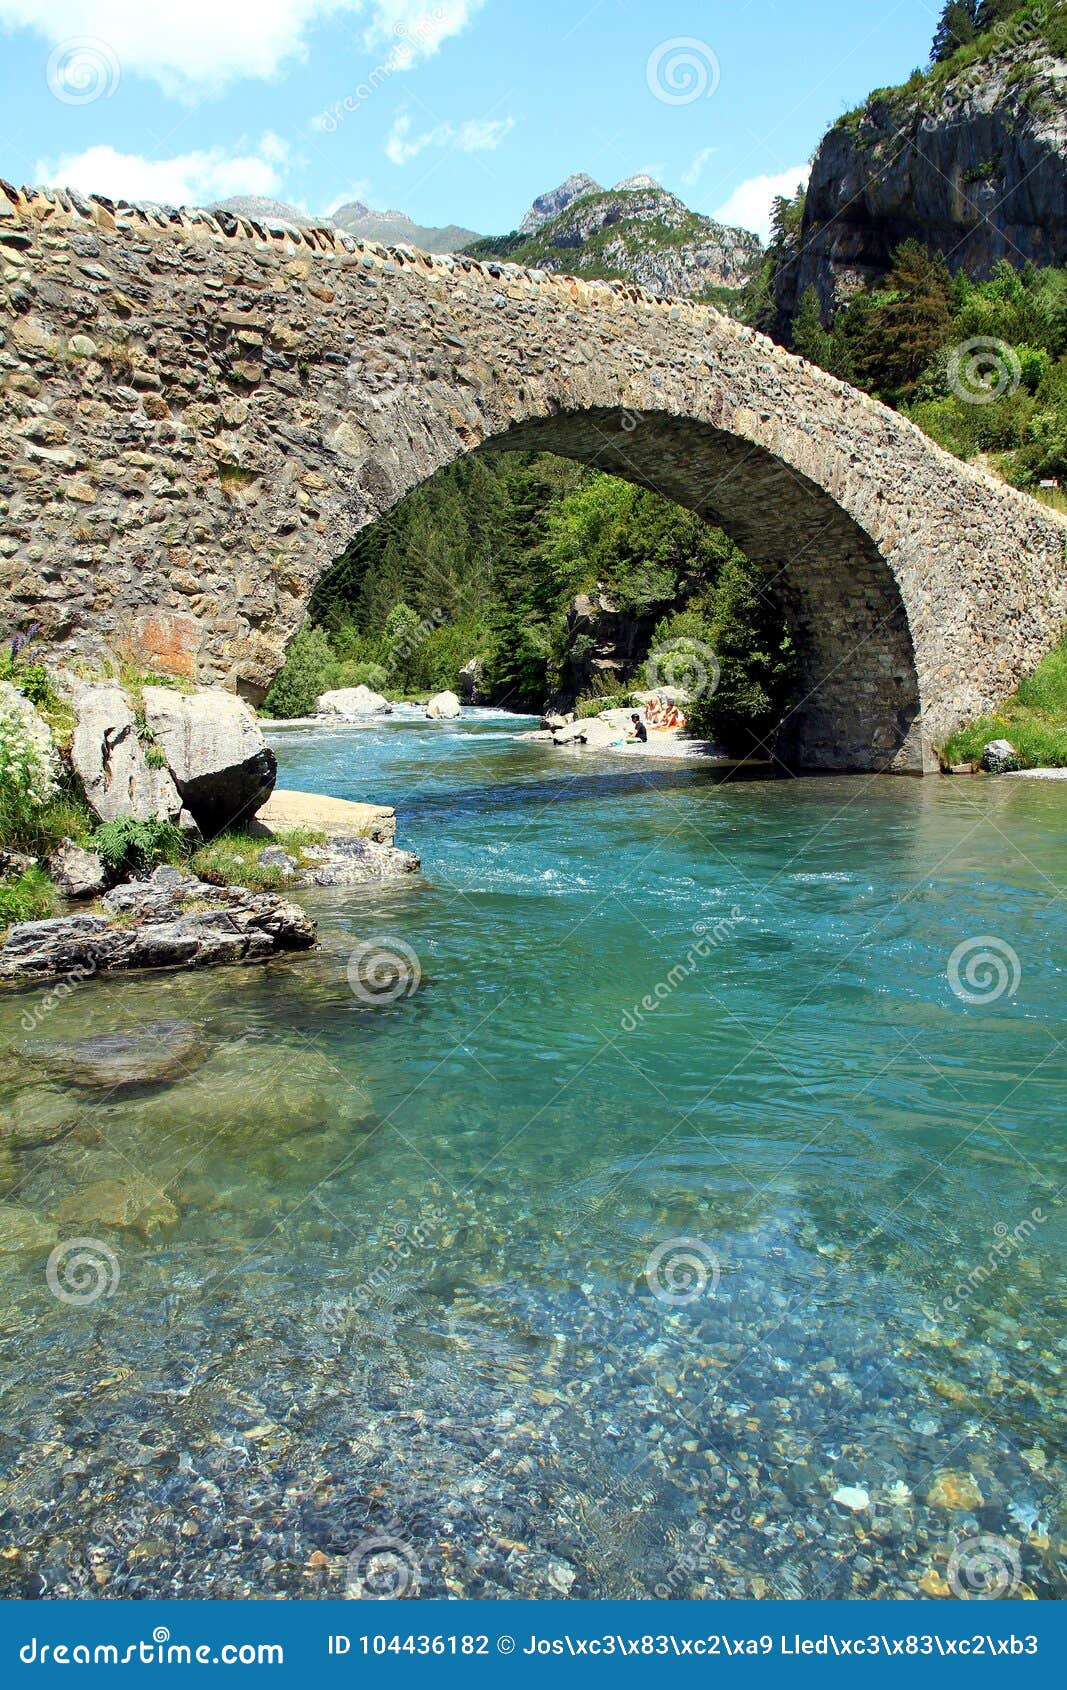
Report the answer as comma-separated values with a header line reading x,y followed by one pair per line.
x,y
810,338
957,27
992,12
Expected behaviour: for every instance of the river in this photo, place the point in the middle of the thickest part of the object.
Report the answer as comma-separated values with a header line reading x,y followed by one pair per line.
x,y
684,1222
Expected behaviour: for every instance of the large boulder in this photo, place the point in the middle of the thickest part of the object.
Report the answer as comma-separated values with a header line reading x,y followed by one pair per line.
x,y
110,762
443,706
352,702
218,759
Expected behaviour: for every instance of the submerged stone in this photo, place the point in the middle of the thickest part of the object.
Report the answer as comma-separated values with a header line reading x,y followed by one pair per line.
x,y
128,1205
23,1231
957,1492
159,1054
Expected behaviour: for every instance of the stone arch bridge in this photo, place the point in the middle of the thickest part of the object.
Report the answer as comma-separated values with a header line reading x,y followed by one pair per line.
x,y
197,413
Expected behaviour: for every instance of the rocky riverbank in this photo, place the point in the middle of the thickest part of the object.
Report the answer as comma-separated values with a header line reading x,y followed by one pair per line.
x,y
170,921
183,846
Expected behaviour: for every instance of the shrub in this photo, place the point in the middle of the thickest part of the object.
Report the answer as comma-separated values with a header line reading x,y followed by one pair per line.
x,y
29,770
134,848
302,676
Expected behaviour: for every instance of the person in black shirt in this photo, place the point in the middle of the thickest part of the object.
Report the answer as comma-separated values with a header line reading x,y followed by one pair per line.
x,y
640,731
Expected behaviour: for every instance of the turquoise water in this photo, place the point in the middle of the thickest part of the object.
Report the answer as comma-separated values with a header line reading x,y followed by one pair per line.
x,y
671,1191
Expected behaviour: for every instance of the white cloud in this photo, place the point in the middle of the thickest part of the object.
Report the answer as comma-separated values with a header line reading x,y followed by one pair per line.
x,y
694,171
475,135
749,206
424,24
193,178
202,46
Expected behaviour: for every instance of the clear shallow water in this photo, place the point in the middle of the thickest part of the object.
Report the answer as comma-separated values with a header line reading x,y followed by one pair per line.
x,y
684,1192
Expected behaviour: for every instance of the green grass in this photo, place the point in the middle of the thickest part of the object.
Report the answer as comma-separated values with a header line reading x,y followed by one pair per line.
x,y
133,680
1034,719
28,898
24,827
233,858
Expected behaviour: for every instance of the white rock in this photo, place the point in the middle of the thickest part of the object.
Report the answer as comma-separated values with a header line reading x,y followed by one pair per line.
x,y
594,731
443,706
109,761
571,733
999,756
853,1497
598,732
351,702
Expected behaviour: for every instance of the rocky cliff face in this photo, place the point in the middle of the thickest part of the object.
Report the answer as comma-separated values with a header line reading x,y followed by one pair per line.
x,y
972,164
547,206
637,232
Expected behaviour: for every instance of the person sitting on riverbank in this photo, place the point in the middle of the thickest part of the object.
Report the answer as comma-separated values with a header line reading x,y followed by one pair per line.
x,y
639,732
671,718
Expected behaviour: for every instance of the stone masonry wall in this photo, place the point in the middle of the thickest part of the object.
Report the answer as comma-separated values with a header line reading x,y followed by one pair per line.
x,y
197,414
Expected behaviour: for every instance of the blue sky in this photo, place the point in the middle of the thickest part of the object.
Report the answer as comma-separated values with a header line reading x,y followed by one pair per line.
x,y
453,110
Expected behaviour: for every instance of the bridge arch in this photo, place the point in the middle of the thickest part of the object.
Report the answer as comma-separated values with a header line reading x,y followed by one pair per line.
x,y
197,415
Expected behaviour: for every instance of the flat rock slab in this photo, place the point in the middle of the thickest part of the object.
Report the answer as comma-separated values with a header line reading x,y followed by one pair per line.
x,y
1034,774
335,816
170,921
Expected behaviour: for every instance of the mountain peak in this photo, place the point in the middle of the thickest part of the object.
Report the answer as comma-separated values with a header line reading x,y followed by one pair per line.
x,y
630,183
549,205
395,228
